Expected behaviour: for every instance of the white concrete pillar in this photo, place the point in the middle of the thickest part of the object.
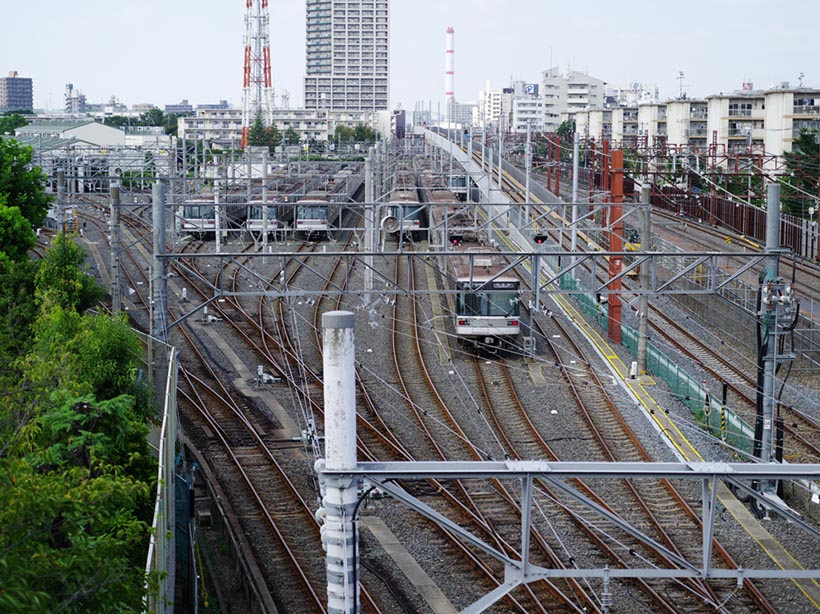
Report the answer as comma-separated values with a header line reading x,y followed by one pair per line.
x,y
340,495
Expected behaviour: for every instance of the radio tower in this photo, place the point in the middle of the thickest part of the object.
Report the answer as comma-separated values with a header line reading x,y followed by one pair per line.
x,y
257,96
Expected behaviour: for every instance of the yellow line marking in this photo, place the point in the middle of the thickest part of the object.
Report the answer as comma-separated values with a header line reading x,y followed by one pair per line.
x,y
773,549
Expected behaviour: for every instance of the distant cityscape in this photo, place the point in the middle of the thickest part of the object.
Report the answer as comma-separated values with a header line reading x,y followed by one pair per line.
x,y
347,83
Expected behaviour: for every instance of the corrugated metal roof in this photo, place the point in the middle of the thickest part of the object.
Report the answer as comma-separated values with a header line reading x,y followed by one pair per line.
x,y
47,143
53,125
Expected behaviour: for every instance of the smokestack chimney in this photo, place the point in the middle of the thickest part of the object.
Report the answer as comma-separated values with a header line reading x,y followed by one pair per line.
x,y
449,80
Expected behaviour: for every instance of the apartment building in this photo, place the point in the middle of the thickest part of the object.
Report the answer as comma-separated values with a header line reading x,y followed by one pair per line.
x,y
565,95
348,55
16,93
224,126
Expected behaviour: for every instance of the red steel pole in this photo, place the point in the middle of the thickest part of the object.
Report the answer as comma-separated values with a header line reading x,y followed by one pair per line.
x,y
616,244
558,166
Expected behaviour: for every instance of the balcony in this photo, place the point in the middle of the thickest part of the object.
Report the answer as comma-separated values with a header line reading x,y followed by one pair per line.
x,y
806,109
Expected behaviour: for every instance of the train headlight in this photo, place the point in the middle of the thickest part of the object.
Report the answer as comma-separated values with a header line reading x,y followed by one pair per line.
x,y
463,323
512,323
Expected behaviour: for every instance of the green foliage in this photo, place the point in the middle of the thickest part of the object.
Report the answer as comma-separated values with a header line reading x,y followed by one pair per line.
x,y
343,134
566,129
803,164
16,235
17,310
152,117
118,121
71,540
138,179
76,471
10,122
62,279
274,138
23,187
292,137
361,133
96,354
257,135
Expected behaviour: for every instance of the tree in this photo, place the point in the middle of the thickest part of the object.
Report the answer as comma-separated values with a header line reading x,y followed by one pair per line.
x,y
566,128
363,133
62,279
257,135
10,122
292,137
23,185
152,117
343,134
274,138
18,312
118,121
803,178
16,235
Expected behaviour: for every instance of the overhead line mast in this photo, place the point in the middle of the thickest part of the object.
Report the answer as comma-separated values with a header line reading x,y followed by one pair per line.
x,y
257,95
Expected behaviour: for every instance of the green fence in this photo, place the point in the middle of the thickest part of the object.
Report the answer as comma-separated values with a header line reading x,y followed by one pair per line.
x,y
719,421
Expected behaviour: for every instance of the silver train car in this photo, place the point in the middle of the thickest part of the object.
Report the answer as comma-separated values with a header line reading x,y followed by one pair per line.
x,y
406,213
315,214
199,215
487,300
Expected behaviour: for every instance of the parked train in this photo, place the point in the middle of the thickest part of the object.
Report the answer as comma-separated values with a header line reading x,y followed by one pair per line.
x,y
319,212
406,214
199,215
487,298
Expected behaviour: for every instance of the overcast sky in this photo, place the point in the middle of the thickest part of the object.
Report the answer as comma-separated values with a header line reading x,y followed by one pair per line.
x,y
161,51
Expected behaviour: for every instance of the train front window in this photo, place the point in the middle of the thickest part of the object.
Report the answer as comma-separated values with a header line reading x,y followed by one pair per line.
x,y
200,212
488,304
503,304
313,213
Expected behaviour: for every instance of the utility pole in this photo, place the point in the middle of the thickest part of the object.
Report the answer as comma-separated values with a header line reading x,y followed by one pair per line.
x,y
61,202
777,315
116,293
265,199
643,302
573,233
528,165
159,287
616,244
369,224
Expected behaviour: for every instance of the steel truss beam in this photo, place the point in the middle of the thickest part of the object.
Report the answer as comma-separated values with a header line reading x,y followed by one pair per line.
x,y
520,571
709,283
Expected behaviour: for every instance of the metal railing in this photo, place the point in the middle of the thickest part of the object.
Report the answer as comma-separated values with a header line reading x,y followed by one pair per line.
x,y
161,561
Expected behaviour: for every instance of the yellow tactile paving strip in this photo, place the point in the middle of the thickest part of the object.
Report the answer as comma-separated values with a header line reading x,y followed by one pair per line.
x,y
774,549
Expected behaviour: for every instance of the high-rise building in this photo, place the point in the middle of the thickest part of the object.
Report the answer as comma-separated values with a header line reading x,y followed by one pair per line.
x,y
348,55
16,93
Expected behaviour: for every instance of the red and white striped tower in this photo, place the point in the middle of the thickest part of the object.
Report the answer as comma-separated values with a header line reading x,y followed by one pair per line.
x,y
449,77
257,96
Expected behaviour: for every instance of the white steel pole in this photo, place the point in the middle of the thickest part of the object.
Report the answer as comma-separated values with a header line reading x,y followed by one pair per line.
x,y
528,164
340,495
369,223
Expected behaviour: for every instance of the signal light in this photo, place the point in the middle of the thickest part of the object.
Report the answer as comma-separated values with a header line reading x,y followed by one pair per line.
x,y
540,239
456,239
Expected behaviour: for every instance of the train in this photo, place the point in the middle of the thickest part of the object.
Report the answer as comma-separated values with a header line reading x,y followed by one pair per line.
x,y
319,211
405,213
199,215
487,298
487,313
